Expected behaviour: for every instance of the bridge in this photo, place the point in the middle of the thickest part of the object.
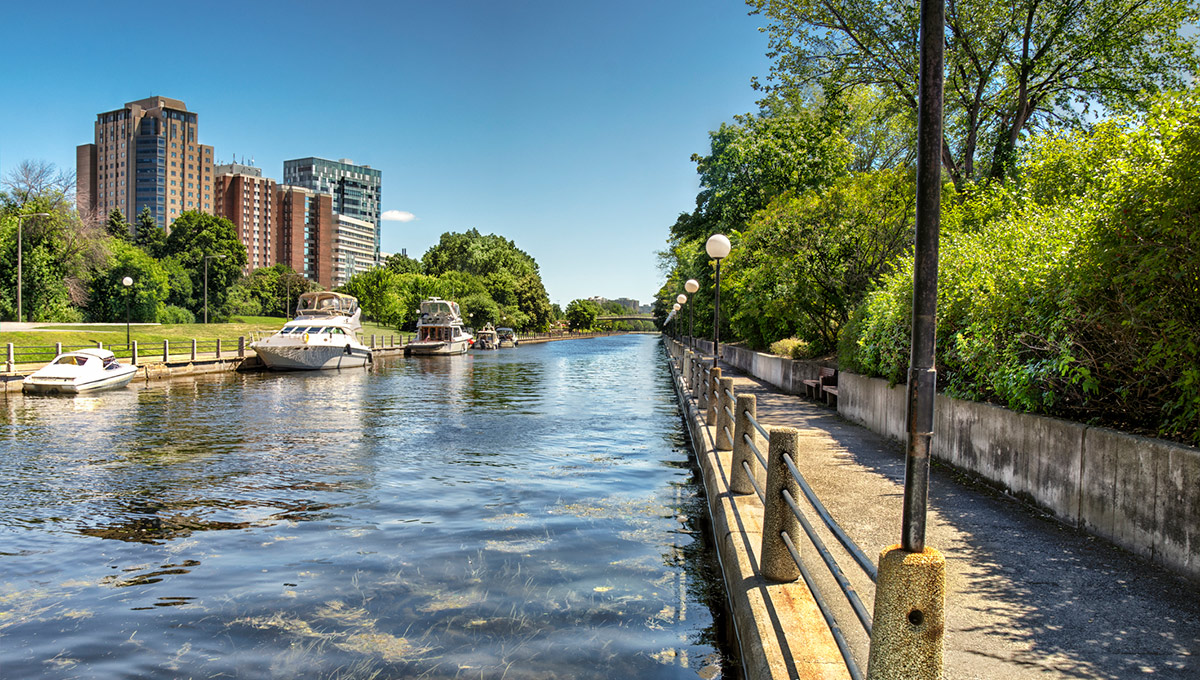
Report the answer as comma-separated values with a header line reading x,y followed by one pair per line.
x,y
625,317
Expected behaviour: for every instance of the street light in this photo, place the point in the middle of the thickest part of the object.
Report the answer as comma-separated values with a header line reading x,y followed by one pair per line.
x,y
717,248
674,311
19,267
127,282
691,286
206,259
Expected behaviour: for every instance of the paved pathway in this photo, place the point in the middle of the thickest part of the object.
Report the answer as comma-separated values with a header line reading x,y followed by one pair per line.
x,y
1027,597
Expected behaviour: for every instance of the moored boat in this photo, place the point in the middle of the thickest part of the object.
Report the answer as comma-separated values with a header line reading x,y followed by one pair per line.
x,y
486,338
324,335
506,337
440,329
85,370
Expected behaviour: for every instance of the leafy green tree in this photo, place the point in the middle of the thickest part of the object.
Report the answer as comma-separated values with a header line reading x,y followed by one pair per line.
x,y
148,235
403,264
581,315
514,280
1010,68
179,284
196,237
147,295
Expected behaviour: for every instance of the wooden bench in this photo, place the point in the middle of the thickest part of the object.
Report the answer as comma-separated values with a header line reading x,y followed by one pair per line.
x,y
831,393
813,388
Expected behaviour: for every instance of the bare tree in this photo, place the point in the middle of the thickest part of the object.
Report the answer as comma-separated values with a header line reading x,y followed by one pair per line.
x,y
40,179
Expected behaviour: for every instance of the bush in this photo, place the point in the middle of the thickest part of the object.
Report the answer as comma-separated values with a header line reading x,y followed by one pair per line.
x,y
173,314
793,348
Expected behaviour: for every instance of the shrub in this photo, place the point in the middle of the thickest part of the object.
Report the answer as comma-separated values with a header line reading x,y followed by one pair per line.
x,y
173,314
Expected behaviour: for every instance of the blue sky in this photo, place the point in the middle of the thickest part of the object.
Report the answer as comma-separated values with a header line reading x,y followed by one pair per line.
x,y
566,126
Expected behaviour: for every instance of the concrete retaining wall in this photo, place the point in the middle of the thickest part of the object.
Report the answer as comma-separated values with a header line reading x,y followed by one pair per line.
x,y
1142,494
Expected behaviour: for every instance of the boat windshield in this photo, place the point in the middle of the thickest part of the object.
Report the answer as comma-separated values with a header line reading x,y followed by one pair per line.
x,y
435,307
326,303
71,360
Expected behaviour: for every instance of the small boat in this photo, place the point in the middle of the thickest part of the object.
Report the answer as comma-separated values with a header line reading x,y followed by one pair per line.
x,y
507,337
85,370
487,338
440,329
323,335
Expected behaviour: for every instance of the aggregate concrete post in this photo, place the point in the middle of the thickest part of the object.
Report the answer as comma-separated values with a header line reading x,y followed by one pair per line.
x,y
777,562
747,407
724,422
700,371
711,394
8,361
686,369
133,358
241,347
909,616
57,348
166,351
193,349
218,348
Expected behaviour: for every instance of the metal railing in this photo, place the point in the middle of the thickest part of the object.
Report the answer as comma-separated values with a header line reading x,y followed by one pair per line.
x,y
745,437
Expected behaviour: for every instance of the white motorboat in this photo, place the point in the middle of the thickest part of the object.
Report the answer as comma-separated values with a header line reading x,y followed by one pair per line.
x,y
486,338
323,335
440,329
85,370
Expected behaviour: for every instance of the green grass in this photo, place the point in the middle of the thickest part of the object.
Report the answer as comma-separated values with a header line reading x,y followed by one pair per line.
x,y
148,336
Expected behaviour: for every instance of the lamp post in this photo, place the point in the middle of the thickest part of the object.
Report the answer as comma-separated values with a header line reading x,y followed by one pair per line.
x,y
682,300
717,248
206,259
691,287
127,282
674,312
20,282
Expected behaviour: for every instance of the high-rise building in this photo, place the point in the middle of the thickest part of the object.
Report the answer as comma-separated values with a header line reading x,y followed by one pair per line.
x,y
304,234
146,154
353,248
356,190
243,196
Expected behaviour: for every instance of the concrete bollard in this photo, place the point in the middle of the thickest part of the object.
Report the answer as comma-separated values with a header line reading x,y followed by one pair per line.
x,y
218,348
193,349
9,363
710,396
133,358
241,347
739,481
699,372
909,617
777,562
57,348
166,351
724,422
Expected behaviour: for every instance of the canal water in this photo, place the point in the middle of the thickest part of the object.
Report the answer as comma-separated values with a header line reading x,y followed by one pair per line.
x,y
525,513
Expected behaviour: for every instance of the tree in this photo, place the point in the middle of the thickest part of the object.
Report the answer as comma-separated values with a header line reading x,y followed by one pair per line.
x,y
403,264
32,180
513,279
117,226
196,236
581,315
148,235
146,296
1010,67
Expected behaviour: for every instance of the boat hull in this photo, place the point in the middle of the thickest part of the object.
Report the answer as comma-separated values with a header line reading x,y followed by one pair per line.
x,y
303,357
112,380
429,348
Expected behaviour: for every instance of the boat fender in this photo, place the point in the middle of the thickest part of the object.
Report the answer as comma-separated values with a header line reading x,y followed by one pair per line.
x,y
348,351
306,337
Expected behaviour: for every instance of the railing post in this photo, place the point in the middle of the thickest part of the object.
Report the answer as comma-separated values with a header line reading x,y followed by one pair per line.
x,y
218,348
699,378
747,408
687,367
57,348
193,349
166,351
724,422
909,618
372,341
9,363
777,562
241,347
712,395
133,357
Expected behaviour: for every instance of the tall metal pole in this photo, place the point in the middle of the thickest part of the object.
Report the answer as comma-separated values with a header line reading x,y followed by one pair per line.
x,y
922,374
206,289
717,317
20,267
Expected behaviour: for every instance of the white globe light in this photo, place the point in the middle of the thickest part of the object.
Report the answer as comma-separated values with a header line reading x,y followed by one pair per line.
x,y
681,299
717,246
675,308
127,281
691,286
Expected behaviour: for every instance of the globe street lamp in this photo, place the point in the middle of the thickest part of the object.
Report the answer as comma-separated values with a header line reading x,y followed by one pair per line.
x,y
127,282
691,286
19,267
682,300
206,259
717,248
675,310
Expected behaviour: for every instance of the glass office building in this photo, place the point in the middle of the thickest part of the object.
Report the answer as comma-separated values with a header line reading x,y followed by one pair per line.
x,y
356,191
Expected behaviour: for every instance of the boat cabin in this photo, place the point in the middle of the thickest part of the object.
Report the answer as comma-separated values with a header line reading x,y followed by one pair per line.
x,y
326,303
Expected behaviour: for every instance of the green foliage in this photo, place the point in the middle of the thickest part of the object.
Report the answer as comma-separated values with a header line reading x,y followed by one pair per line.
x,y
793,348
270,290
145,298
806,262
148,235
197,237
403,264
171,314
1078,292
581,315
117,226
511,277
1009,68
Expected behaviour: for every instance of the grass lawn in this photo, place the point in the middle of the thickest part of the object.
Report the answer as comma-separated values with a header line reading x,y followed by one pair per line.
x,y
147,336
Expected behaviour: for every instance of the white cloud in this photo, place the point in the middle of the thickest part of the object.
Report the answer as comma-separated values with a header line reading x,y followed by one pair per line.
x,y
397,216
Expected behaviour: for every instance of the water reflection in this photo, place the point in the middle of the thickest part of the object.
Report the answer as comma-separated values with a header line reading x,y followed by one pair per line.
x,y
525,513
